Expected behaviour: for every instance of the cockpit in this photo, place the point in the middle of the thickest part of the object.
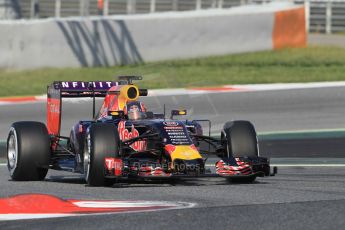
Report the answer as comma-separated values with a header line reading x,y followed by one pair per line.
x,y
135,110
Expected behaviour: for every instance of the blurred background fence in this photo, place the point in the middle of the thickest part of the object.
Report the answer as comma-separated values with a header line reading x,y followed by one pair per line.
x,y
324,16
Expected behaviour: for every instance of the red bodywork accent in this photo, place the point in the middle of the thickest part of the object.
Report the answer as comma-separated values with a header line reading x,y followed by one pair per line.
x,y
54,119
110,103
53,116
170,148
115,165
193,147
118,167
150,171
242,168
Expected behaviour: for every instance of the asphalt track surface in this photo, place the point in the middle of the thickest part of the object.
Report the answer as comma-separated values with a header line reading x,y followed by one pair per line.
x,y
297,198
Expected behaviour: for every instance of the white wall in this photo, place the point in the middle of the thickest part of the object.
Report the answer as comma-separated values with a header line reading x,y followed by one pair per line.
x,y
119,40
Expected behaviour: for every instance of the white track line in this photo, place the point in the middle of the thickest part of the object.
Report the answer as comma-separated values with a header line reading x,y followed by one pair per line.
x,y
287,86
298,165
4,217
20,216
309,165
244,88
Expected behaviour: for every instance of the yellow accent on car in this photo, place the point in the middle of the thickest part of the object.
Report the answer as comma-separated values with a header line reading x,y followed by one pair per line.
x,y
128,93
115,113
185,152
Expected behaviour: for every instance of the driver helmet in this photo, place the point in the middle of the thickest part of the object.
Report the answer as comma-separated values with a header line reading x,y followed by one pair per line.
x,y
135,110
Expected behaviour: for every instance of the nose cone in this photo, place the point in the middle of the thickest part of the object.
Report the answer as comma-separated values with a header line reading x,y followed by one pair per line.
x,y
183,152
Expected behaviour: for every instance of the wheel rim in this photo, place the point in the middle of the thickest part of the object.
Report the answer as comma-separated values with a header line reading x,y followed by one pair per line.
x,y
12,151
87,158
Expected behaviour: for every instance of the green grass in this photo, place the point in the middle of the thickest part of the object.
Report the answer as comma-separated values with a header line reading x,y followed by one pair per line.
x,y
340,33
290,65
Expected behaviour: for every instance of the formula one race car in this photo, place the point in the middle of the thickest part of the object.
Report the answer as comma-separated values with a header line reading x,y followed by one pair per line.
x,y
125,140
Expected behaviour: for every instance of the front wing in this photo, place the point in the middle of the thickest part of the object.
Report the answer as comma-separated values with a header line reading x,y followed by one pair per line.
x,y
236,168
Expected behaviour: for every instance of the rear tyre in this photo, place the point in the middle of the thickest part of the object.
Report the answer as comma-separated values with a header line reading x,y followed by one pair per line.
x,y
102,141
240,138
28,151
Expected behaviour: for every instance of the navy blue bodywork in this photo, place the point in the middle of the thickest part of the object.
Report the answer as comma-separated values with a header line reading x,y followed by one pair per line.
x,y
155,146
76,141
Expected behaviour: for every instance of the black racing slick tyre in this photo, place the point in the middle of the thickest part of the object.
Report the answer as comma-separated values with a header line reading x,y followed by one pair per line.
x,y
240,139
101,141
28,151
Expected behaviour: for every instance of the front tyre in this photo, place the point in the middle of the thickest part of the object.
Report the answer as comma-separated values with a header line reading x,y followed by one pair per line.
x,y
240,138
240,141
28,151
101,141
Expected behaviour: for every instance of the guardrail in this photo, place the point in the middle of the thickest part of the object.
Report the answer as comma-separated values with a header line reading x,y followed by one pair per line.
x,y
326,15
61,8
322,15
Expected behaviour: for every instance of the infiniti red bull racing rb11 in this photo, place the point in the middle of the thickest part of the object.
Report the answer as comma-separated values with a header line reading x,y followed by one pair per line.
x,y
125,140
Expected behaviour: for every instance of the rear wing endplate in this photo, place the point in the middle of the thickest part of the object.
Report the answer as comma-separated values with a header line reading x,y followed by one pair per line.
x,y
71,89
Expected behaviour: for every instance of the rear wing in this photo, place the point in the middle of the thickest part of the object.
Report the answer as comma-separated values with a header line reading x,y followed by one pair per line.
x,y
71,89
83,89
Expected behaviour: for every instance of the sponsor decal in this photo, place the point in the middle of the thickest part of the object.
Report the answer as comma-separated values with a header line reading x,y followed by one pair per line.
x,y
53,105
53,116
79,85
115,165
173,128
170,123
36,206
109,163
177,135
126,135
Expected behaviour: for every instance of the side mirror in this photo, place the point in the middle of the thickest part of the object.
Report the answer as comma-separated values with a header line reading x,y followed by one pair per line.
x,y
178,113
143,92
